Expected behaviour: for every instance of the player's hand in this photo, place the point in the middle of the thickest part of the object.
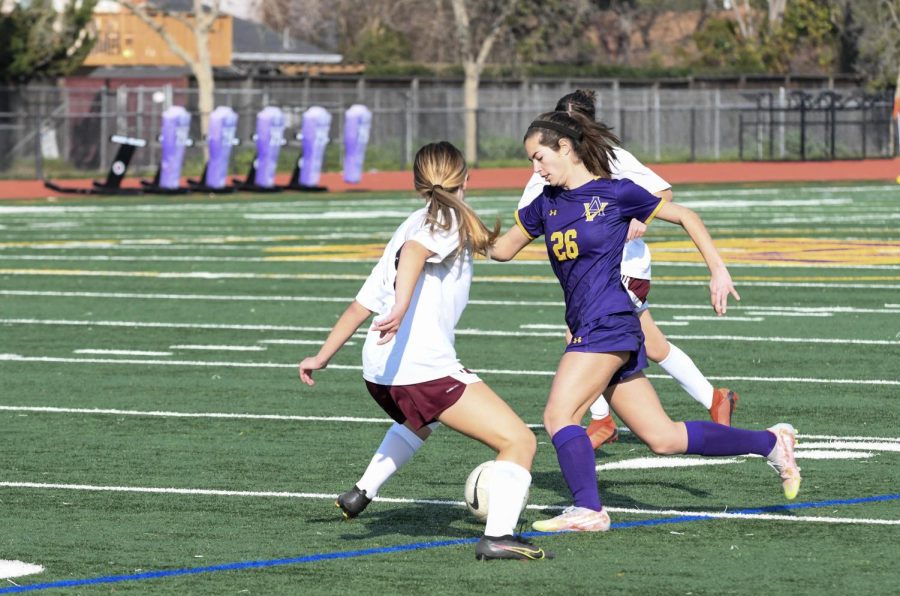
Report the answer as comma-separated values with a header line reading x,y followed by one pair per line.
x,y
636,229
720,286
388,325
307,366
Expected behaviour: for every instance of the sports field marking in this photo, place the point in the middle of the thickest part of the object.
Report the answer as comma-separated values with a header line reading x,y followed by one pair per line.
x,y
852,445
218,348
299,342
785,282
737,319
770,313
812,311
679,518
459,332
546,373
120,352
746,515
834,441
167,414
10,569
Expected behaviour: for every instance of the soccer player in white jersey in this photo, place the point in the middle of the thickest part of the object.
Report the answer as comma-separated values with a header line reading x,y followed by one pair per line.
x,y
720,402
418,291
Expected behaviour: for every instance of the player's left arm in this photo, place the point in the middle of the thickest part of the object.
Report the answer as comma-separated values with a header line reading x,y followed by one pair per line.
x,y
412,262
637,228
720,284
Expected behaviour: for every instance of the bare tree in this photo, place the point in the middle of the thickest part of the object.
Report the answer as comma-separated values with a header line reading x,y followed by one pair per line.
x,y
200,24
473,54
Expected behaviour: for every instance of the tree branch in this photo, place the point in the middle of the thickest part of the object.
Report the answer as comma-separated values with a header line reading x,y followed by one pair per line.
x,y
495,29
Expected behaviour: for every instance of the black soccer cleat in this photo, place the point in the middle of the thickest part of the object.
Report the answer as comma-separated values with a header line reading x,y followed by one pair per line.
x,y
509,547
353,502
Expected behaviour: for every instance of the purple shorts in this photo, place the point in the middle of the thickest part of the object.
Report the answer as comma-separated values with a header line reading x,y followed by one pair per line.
x,y
421,404
619,332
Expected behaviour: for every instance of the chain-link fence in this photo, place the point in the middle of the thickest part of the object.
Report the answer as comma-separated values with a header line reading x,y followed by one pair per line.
x,y
61,131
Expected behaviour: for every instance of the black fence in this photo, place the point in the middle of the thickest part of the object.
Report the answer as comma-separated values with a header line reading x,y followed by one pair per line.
x,y
816,126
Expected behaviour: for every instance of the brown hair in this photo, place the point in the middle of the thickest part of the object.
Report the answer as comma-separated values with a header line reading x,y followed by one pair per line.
x,y
593,142
580,100
439,171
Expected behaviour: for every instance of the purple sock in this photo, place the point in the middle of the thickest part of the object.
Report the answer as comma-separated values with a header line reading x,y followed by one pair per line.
x,y
709,438
578,465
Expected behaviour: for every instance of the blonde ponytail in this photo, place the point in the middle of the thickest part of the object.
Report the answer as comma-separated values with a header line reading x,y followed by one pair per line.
x,y
439,171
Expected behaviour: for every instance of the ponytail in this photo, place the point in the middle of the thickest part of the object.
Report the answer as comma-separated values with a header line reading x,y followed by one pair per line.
x,y
439,171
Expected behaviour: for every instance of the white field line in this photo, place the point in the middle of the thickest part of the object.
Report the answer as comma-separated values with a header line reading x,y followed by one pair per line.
x,y
120,352
851,445
531,279
832,439
770,313
219,348
330,497
823,454
164,414
823,311
486,371
266,259
718,319
649,463
459,332
11,569
299,342
837,438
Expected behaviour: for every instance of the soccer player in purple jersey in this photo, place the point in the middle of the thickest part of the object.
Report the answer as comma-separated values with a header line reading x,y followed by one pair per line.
x,y
636,277
584,217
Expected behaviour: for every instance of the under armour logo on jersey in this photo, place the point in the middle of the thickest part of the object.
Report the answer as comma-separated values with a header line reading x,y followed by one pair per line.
x,y
553,212
576,340
594,208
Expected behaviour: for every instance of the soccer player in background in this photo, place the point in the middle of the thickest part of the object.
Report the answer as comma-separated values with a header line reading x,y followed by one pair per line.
x,y
584,216
635,270
419,289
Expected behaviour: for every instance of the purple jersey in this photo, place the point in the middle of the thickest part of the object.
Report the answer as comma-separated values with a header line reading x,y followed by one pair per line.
x,y
585,229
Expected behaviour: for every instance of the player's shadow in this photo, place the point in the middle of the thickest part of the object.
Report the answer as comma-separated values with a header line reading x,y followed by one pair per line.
x,y
414,520
611,490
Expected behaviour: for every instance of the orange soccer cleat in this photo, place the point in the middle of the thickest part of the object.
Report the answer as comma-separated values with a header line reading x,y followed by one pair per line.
x,y
723,404
602,430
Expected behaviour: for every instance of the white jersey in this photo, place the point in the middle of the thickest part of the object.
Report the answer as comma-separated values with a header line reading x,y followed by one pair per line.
x,y
423,348
636,255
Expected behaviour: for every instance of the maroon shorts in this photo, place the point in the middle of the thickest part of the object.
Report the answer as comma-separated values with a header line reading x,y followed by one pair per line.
x,y
638,290
421,404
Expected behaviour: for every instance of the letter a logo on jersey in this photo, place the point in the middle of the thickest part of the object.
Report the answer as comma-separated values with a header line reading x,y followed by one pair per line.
x,y
594,208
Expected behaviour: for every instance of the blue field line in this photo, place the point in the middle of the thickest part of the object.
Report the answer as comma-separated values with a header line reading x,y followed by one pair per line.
x,y
111,579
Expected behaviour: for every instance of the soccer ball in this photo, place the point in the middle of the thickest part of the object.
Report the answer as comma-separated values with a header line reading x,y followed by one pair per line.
x,y
476,492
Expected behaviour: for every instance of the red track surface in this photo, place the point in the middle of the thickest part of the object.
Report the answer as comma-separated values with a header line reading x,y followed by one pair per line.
x,y
886,170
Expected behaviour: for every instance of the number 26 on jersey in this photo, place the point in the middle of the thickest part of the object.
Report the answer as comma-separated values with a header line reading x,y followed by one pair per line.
x,y
564,245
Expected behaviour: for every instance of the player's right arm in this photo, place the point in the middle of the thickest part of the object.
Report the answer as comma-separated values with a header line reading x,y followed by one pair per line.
x,y
355,315
413,256
509,244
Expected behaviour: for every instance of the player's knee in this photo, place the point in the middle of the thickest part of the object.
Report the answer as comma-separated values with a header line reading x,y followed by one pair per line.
x,y
665,444
657,352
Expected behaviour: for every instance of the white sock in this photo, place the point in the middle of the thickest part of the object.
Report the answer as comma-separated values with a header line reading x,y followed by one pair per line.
x,y
397,447
599,409
681,368
508,490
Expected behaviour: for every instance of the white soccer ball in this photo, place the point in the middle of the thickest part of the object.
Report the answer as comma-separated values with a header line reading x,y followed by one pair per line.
x,y
477,494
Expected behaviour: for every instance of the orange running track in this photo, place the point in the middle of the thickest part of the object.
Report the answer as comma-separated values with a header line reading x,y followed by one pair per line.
x,y
885,170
